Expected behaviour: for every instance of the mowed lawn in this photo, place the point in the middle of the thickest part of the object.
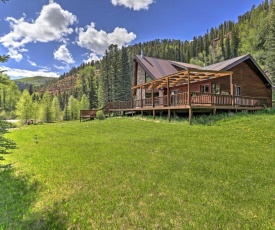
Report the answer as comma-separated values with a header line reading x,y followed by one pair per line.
x,y
129,173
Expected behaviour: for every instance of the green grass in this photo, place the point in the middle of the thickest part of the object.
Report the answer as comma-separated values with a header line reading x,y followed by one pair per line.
x,y
133,173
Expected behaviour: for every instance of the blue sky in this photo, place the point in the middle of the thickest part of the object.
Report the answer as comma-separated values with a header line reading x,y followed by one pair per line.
x,y
49,37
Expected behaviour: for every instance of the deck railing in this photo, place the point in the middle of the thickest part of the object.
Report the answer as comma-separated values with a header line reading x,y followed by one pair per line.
x,y
197,98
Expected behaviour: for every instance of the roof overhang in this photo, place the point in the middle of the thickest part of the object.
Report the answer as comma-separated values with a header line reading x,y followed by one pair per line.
x,y
183,77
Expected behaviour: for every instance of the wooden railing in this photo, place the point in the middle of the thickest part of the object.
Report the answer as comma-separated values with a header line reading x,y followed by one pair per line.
x,y
87,114
197,98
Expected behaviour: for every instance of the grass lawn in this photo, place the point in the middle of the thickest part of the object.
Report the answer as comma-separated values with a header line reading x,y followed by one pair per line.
x,y
128,173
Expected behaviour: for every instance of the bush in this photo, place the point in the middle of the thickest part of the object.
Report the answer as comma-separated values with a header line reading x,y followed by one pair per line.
x,y
100,115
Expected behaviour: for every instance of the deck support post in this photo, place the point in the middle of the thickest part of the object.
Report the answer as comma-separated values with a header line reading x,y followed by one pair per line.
x,y
141,113
190,115
154,114
214,111
169,115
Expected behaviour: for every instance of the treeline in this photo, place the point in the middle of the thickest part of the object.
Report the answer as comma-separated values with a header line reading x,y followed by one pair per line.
x,y
46,108
9,96
250,34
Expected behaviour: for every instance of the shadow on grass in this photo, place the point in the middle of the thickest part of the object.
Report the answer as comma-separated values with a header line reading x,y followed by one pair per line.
x,y
18,195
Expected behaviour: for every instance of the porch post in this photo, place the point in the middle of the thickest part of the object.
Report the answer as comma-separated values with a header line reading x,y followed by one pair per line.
x,y
153,95
168,93
154,114
189,100
132,99
141,102
231,88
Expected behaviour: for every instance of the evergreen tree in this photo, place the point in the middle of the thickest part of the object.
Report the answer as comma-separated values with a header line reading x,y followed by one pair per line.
x,y
270,44
4,58
124,77
105,90
227,49
234,43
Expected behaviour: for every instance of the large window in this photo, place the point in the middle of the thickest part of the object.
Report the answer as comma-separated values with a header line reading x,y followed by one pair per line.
x,y
216,88
204,88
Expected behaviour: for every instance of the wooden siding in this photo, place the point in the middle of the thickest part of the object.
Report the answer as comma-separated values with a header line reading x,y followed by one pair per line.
x,y
243,76
251,84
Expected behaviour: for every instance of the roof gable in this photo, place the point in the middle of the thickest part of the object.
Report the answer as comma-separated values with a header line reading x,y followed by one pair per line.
x,y
229,64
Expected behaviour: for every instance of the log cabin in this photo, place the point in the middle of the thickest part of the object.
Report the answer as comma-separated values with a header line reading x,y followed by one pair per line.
x,y
168,86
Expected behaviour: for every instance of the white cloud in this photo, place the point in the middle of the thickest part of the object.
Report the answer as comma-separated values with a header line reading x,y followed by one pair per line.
x,y
134,4
19,73
52,24
98,41
92,57
63,54
61,67
32,63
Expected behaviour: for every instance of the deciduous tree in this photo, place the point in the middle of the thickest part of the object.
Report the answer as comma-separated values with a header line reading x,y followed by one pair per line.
x,y
25,107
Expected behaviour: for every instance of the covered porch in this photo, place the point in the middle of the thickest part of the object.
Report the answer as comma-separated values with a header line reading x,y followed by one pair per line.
x,y
174,93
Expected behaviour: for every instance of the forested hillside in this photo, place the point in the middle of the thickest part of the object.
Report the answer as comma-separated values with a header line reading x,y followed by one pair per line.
x,y
33,83
111,78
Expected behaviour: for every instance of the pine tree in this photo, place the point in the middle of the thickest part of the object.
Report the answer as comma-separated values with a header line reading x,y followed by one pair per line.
x,y
124,77
270,44
234,43
227,48
4,58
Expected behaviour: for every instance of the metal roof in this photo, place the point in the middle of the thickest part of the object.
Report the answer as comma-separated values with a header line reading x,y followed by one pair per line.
x,y
225,65
158,68
185,65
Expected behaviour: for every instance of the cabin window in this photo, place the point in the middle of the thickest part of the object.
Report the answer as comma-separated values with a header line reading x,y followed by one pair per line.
x,y
238,91
147,77
204,88
216,88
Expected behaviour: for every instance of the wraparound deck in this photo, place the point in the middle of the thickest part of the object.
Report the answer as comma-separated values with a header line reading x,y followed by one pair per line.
x,y
181,102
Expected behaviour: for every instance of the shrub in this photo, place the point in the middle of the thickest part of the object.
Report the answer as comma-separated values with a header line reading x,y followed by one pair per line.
x,y
100,115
